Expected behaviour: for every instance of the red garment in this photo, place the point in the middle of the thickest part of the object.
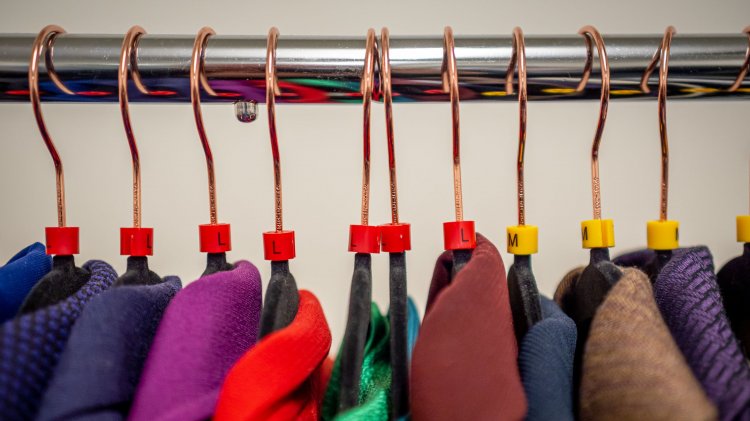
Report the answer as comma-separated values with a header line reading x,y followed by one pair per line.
x,y
284,376
464,362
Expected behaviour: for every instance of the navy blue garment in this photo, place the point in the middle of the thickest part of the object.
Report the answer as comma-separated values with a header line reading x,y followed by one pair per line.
x,y
545,359
31,345
104,357
19,275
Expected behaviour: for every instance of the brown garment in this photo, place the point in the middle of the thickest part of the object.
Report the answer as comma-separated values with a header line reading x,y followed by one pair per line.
x,y
632,368
565,289
464,365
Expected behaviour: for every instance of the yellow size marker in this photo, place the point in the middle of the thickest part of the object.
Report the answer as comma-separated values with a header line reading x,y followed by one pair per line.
x,y
663,235
523,239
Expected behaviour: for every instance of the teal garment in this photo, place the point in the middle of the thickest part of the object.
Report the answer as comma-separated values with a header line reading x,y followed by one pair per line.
x,y
375,382
412,328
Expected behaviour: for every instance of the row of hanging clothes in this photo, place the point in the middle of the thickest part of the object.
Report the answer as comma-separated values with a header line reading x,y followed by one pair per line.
x,y
652,334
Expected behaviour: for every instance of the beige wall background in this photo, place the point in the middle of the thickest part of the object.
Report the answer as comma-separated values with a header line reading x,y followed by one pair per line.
x,y
320,146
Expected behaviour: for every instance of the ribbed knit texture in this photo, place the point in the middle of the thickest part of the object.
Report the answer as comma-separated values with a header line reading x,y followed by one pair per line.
x,y
104,357
375,380
205,330
632,368
545,359
31,345
689,300
284,376
19,275
464,365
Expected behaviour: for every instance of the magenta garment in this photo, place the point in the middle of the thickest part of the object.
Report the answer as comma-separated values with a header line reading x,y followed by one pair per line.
x,y
206,328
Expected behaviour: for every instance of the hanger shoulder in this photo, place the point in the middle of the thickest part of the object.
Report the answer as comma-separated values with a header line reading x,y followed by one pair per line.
x,y
64,280
524,296
282,300
355,335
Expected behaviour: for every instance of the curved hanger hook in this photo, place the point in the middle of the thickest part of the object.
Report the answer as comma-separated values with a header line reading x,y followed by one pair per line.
x,y
745,65
518,56
450,84
272,89
662,56
129,57
198,79
590,33
45,40
386,87
366,87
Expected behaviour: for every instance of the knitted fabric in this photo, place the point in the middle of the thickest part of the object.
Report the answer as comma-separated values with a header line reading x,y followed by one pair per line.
x,y
375,380
19,275
31,345
464,364
689,299
545,359
632,368
104,357
205,330
284,376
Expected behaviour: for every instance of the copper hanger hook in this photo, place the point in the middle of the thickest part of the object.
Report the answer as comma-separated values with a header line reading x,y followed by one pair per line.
x,y
590,33
518,56
450,85
45,40
129,59
272,89
745,65
662,56
386,87
197,64
367,86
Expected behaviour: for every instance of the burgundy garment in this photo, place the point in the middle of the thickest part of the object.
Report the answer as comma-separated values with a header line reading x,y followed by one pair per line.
x,y
464,364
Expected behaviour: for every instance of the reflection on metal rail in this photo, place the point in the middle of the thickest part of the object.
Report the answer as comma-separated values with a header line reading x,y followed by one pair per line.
x,y
328,70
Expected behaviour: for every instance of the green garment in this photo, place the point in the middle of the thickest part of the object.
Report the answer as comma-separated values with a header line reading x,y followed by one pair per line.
x,y
375,382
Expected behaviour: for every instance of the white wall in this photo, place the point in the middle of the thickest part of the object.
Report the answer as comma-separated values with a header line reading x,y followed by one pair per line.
x,y
321,148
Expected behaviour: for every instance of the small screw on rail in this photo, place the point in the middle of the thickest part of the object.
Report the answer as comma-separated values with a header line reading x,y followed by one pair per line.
x,y
246,111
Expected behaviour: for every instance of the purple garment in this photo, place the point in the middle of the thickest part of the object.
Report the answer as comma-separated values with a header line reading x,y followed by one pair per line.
x,y
205,330
31,345
688,298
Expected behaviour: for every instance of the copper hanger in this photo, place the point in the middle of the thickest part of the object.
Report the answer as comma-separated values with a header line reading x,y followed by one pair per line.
x,y
396,240
365,238
135,242
366,87
663,234
198,80
450,85
522,239
745,65
459,235
282,298
128,60
386,88
272,89
661,57
590,33
215,237
62,241
44,40
518,56
396,236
